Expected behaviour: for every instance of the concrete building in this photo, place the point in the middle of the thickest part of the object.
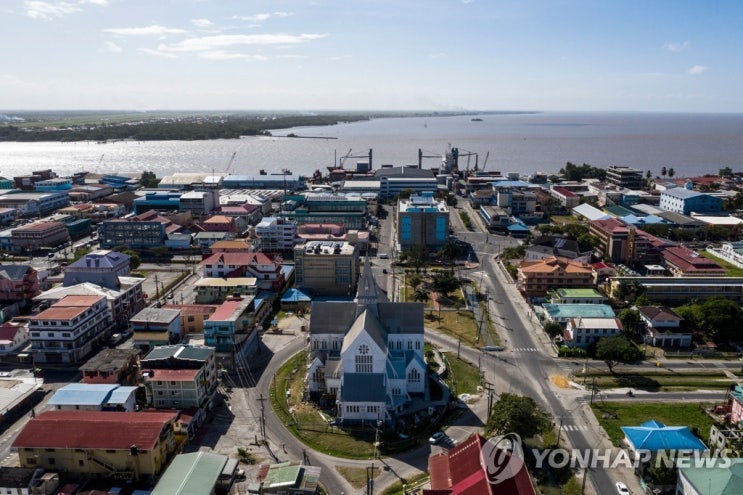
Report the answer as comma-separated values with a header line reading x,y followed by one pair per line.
x,y
112,366
258,265
422,220
70,329
288,477
193,316
681,261
18,284
220,223
233,329
101,267
535,278
576,296
684,201
326,208
562,313
582,332
156,326
148,230
215,290
722,476
394,180
276,234
158,201
627,177
181,377
13,337
199,203
34,236
677,290
34,204
326,268
98,444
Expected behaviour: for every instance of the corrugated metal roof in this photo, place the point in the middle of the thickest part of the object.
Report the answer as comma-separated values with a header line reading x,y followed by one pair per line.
x,y
191,474
89,394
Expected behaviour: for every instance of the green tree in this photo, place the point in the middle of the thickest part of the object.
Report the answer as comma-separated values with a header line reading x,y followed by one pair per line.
x,y
553,329
414,280
513,413
449,252
725,172
617,349
418,255
671,172
664,171
148,179
134,259
445,282
421,295
630,319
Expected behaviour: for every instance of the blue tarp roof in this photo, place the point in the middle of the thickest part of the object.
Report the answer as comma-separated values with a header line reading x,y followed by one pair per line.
x,y
295,295
654,435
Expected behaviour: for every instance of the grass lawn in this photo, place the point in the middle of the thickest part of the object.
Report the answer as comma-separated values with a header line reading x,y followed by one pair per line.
x,y
732,270
306,422
563,219
357,475
458,324
660,380
613,415
463,378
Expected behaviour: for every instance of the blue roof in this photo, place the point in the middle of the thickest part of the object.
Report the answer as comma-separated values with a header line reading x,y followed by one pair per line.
x,y
681,193
557,311
654,435
363,387
295,295
90,394
396,366
512,183
634,219
518,227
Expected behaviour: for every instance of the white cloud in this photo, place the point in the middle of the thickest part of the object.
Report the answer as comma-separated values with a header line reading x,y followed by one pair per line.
x,y
696,70
261,17
437,55
202,23
157,53
223,55
110,46
153,30
49,10
54,9
677,47
207,43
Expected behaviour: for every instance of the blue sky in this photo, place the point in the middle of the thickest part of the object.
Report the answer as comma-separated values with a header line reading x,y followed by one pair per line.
x,y
617,55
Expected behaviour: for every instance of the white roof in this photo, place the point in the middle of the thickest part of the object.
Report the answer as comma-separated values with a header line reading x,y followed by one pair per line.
x,y
724,221
590,212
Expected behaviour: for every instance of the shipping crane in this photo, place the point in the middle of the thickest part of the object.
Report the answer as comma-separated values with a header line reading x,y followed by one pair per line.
x,y
485,161
468,154
421,156
229,164
348,155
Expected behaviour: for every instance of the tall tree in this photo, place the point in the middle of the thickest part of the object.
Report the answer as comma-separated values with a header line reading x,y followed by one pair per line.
x,y
725,172
513,413
421,295
617,349
630,319
663,171
671,172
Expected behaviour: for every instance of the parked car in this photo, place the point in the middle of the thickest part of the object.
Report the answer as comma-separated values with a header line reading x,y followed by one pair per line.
x,y
493,348
622,488
436,437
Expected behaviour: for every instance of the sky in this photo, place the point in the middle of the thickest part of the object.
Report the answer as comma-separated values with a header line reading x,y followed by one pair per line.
x,y
445,55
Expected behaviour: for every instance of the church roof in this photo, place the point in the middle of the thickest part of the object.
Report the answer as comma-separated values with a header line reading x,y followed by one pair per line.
x,y
401,317
331,317
366,322
363,387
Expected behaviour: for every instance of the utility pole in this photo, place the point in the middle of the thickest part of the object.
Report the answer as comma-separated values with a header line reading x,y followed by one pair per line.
x,y
559,431
263,419
489,388
459,347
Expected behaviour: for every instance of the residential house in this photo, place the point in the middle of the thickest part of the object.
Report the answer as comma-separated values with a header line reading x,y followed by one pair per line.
x,y
651,437
205,240
220,223
661,327
27,481
722,476
36,235
94,397
181,377
734,398
535,278
288,477
367,355
156,326
582,332
13,337
70,329
112,366
244,215
422,220
548,246
18,284
98,444
326,268
230,246
258,265
233,329
464,470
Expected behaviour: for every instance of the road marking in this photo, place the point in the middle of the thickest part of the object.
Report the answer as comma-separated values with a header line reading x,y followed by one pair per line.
x,y
526,349
575,427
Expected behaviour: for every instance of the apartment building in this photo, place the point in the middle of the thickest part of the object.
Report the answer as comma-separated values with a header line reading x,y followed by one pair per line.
x,y
156,326
34,236
258,265
276,234
422,220
535,278
627,177
233,328
70,329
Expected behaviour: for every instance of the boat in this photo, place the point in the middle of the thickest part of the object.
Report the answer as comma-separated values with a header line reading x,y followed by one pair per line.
x,y
477,119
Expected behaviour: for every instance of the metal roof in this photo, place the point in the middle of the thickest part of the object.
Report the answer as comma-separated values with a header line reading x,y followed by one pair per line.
x,y
191,474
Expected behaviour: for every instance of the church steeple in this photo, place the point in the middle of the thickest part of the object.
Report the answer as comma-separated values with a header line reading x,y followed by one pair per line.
x,y
367,294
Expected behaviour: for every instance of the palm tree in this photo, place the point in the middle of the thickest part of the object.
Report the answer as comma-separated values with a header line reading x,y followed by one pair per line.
x,y
421,295
663,171
671,172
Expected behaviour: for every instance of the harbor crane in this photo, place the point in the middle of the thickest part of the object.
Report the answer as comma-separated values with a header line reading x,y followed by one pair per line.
x,y
229,164
348,155
485,161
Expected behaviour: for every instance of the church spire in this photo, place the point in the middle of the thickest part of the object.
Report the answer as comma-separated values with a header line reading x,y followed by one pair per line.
x,y
367,294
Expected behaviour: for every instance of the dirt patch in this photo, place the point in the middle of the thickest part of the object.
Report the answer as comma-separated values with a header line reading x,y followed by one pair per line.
x,y
560,381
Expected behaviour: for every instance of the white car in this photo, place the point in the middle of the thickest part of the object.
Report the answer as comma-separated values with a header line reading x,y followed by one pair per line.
x,y
436,437
622,488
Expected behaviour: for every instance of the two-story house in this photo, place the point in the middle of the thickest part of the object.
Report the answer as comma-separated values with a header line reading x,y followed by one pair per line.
x,y
661,327
258,265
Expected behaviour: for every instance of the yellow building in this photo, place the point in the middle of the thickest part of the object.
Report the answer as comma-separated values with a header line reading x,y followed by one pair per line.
x,y
89,444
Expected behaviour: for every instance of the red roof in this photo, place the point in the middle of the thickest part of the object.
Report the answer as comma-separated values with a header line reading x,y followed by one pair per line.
x,y
611,225
463,471
193,309
565,192
238,259
93,430
226,309
187,375
690,261
8,330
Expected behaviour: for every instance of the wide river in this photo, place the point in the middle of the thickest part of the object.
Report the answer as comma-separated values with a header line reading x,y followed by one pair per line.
x,y
691,144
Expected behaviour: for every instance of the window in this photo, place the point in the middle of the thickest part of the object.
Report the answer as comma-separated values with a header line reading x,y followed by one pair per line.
x,y
363,359
414,376
417,345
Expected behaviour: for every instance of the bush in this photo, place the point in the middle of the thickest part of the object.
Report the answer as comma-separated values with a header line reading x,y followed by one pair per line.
x,y
565,351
